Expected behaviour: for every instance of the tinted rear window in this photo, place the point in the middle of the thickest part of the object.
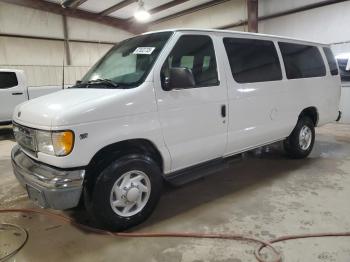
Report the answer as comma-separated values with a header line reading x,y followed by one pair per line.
x,y
8,79
331,60
252,60
302,61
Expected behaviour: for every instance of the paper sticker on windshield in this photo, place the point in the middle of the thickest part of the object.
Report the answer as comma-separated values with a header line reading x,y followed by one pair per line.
x,y
144,50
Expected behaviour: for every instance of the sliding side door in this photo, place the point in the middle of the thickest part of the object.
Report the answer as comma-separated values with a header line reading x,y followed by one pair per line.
x,y
257,93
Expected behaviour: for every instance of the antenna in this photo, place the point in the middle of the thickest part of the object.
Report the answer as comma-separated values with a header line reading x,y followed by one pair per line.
x,y
63,61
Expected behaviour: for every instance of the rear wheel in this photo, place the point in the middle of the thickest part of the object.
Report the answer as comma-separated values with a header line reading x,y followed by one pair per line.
x,y
301,141
126,192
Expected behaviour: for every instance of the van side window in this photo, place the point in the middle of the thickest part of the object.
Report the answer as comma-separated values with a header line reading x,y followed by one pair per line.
x,y
195,52
8,79
331,60
302,61
252,60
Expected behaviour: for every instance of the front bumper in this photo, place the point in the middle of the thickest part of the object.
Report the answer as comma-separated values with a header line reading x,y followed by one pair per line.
x,y
47,186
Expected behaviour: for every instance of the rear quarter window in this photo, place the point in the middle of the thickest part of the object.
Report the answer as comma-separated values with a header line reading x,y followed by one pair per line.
x,y
8,80
302,61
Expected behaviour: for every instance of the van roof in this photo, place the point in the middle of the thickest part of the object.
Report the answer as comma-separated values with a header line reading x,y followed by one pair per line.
x,y
238,33
11,70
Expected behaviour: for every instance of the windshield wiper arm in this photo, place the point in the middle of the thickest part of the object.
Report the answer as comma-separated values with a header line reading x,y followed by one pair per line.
x,y
104,81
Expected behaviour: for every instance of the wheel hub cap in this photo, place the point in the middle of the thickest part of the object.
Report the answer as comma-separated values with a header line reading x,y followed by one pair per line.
x,y
305,138
130,193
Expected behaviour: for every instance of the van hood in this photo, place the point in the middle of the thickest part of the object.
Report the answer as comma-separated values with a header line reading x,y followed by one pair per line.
x,y
80,105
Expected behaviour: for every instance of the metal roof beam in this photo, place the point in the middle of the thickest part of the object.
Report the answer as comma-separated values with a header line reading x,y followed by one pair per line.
x,y
116,7
77,13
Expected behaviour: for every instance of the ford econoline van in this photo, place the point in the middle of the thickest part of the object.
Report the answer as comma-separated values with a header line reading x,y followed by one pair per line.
x,y
170,106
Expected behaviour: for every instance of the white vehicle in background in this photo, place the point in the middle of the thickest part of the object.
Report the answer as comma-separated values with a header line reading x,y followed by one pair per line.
x,y
170,106
344,68
14,90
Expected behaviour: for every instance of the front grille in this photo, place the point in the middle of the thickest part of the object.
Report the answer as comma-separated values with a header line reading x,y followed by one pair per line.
x,y
25,137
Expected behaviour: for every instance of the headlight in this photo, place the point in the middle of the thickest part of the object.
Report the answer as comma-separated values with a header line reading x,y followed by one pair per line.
x,y
44,142
55,143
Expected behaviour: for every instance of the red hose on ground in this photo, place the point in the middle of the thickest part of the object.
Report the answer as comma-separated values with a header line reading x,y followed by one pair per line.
x,y
257,252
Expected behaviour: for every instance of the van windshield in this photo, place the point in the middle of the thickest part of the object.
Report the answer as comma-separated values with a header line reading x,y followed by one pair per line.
x,y
127,64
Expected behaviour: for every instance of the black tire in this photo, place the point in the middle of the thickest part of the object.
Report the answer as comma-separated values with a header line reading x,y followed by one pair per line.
x,y
99,205
292,143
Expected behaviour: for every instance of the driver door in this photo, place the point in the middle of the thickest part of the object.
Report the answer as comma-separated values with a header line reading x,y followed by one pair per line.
x,y
193,119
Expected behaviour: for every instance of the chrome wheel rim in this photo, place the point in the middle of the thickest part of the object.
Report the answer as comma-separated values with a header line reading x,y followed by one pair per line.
x,y
130,193
305,137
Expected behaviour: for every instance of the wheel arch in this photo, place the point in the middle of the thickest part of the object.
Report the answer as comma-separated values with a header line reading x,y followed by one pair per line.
x,y
311,112
113,151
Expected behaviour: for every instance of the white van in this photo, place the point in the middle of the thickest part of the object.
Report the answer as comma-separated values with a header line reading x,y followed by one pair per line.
x,y
170,106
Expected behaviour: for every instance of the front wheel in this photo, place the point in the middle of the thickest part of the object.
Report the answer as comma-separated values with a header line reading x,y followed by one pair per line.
x,y
126,192
301,141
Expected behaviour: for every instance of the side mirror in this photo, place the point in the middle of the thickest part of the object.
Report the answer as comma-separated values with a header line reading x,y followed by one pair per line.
x,y
78,82
179,77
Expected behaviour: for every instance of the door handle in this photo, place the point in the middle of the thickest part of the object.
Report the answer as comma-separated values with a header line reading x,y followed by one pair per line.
x,y
223,110
17,94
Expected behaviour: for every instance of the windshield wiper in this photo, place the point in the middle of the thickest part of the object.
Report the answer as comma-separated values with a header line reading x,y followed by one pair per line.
x,y
107,82
103,83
